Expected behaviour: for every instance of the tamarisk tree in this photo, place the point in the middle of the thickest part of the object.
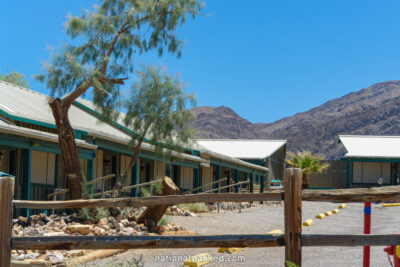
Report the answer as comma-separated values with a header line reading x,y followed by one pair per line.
x,y
100,57
15,77
157,111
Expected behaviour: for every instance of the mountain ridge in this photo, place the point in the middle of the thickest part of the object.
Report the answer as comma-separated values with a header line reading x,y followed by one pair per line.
x,y
371,110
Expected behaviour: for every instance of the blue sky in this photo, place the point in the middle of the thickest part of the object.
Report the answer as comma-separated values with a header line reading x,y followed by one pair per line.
x,y
264,59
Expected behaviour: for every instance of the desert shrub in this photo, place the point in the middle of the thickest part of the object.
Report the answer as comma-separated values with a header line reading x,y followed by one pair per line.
x,y
195,207
93,215
152,189
164,220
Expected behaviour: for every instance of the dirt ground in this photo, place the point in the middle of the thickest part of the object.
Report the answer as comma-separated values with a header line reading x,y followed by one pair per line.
x,y
263,218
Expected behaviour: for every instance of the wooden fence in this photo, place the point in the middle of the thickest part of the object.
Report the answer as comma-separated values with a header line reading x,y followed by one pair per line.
x,y
293,240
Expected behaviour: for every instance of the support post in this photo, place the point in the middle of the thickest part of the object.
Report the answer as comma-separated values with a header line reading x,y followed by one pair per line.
x,y
251,183
348,173
293,220
90,175
367,231
228,182
168,171
6,197
261,185
236,181
26,177
196,179
135,178
218,177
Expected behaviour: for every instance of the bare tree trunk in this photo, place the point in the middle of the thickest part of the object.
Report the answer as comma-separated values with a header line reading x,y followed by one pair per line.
x,y
69,151
152,215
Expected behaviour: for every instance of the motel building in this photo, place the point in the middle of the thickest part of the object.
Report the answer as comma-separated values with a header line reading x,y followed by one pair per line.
x,y
369,158
29,151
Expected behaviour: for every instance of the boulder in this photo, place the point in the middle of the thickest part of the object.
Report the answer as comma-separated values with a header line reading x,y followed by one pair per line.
x,y
103,221
79,228
54,257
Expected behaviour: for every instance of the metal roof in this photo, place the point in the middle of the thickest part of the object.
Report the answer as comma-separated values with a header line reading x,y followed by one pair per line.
x,y
18,102
195,145
242,148
370,146
9,128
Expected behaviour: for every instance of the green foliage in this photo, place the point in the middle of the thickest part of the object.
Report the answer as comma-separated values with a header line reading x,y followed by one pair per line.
x,y
152,189
85,214
307,162
291,264
195,207
164,220
106,39
93,215
157,109
101,213
15,77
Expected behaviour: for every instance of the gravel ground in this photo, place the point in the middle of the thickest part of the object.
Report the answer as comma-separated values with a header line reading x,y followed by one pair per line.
x,y
263,218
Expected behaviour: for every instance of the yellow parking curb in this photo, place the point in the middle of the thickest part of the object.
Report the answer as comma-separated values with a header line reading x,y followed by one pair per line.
x,y
342,206
391,204
320,216
335,211
198,260
328,213
308,222
275,232
229,250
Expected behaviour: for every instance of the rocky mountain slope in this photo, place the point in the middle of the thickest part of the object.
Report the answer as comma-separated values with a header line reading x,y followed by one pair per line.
x,y
374,111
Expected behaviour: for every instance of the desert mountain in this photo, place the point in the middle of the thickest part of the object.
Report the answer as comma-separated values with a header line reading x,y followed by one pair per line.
x,y
372,111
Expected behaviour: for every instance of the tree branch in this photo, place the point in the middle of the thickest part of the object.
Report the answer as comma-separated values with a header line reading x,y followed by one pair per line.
x,y
115,81
75,94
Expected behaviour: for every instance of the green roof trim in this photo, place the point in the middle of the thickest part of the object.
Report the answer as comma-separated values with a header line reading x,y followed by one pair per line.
x,y
78,133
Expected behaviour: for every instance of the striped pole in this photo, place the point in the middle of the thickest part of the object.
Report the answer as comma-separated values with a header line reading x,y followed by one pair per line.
x,y
367,231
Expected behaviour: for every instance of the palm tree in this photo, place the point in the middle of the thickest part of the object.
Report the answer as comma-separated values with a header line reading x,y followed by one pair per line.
x,y
308,163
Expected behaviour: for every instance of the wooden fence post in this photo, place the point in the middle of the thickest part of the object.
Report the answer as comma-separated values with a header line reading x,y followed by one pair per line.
x,y
293,215
6,209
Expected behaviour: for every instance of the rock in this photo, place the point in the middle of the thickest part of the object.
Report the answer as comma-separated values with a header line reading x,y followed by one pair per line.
x,y
40,223
18,257
79,228
98,231
31,255
105,227
129,230
54,257
112,222
75,253
55,234
51,224
87,222
22,219
30,231
103,221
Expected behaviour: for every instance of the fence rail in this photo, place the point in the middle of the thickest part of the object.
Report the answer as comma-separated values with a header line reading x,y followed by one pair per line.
x,y
94,181
293,240
148,201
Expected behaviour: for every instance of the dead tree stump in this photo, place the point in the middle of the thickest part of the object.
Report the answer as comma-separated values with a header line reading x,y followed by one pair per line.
x,y
152,215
